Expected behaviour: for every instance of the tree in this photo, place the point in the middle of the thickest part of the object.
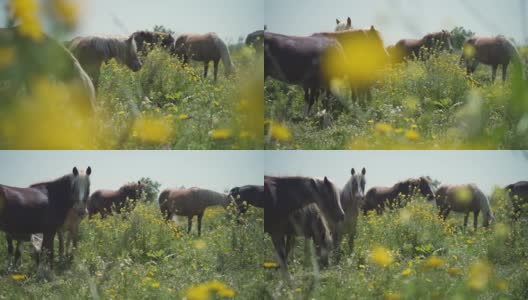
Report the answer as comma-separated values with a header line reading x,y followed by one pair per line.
x,y
161,28
152,189
458,35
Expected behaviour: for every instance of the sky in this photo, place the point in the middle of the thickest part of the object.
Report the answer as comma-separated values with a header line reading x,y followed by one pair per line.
x,y
215,170
385,168
397,19
230,19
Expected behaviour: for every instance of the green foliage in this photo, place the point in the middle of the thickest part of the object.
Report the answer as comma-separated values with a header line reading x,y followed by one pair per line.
x,y
458,35
151,190
161,28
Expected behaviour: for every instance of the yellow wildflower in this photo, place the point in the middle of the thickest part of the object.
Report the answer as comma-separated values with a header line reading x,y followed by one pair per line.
x,y
434,262
18,277
412,135
406,272
280,132
26,11
66,11
270,265
220,134
381,256
383,128
479,275
7,56
152,130
155,285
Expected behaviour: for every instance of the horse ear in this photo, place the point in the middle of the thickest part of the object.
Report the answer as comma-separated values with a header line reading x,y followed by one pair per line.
x,y
88,171
349,21
337,21
364,171
326,180
352,171
372,28
139,182
75,171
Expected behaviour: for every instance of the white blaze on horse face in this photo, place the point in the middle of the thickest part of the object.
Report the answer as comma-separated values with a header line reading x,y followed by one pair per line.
x,y
81,187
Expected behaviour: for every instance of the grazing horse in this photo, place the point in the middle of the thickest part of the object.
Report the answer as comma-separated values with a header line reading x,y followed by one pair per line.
x,y
311,62
429,43
310,223
285,195
41,208
378,197
105,202
190,202
493,51
352,197
255,40
343,26
92,51
248,194
205,48
463,198
365,56
147,40
518,193
43,58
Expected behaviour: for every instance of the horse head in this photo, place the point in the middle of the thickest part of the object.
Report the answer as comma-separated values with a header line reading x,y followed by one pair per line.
x,y
80,190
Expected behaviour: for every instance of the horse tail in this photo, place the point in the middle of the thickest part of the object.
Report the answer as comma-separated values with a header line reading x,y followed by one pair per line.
x,y
224,53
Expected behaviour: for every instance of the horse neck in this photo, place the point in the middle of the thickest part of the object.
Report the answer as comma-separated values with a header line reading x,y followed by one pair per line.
x,y
58,191
214,199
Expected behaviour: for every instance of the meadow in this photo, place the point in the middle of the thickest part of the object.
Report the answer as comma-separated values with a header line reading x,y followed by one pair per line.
x,y
137,255
415,105
410,253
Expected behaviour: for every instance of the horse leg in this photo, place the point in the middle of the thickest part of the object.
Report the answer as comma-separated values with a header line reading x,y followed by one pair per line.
x,y
466,219
200,216
215,65
280,250
475,219
60,233
290,243
504,69
307,101
47,246
189,223
493,72
206,67
17,251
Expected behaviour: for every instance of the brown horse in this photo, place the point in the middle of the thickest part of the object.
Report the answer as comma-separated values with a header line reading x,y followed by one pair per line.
x,y
489,51
255,40
92,51
378,197
343,26
41,208
518,193
190,202
147,40
311,62
43,58
310,223
464,198
105,202
284,195
205,48
420,49
248,195
352,196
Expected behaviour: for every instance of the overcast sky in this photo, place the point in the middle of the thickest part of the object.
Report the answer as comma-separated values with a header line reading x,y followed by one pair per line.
x,y
396,19
384,168
216,170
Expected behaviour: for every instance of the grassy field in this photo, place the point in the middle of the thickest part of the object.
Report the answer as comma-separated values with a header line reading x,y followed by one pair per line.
x,y
139,256
419,105
411,254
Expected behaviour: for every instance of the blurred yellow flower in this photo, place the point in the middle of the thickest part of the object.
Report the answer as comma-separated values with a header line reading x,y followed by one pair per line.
x,y
381,256
453,271
155,285
463,195
200,244
199,292
183,117
434,262
220,134
501,285
412,135
66,11
18,277
270,265
479,275
392,296
7,56
152,130
26,11
469,51
280,132
406,272
383,128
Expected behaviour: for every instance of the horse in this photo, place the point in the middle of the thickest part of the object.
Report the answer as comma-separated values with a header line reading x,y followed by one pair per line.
x,y
378,197
343,26
518,193
284,195
429,43
44,58
365,57
147,40
311,62
310,223
70,227
492,51
205,48
92,51
105,202
255,40
464,198
41,208
352,196
247,194
190,202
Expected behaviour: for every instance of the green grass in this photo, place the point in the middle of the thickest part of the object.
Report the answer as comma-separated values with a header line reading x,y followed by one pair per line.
x,y
419,105
431,259
139,256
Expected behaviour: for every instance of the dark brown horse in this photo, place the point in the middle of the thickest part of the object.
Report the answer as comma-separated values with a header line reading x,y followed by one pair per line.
x,y
248,195
420,49
41,208
311,62
43,58
518,193
92,51
352,197
493,51
190,202
285,195
106,202
464,198
378,197
205,48
147,40
255,40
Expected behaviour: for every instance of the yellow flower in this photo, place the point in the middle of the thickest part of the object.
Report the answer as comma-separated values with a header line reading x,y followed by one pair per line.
x,y
220,134
183,117
152,130
200,244
7,56
26,11
226,293
453,271
199,292
66,11
392,296
155,285
412,135
501,285
406,272
270,265
383,128
370,121
479,275
280,132
434,262
18,277
381,256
